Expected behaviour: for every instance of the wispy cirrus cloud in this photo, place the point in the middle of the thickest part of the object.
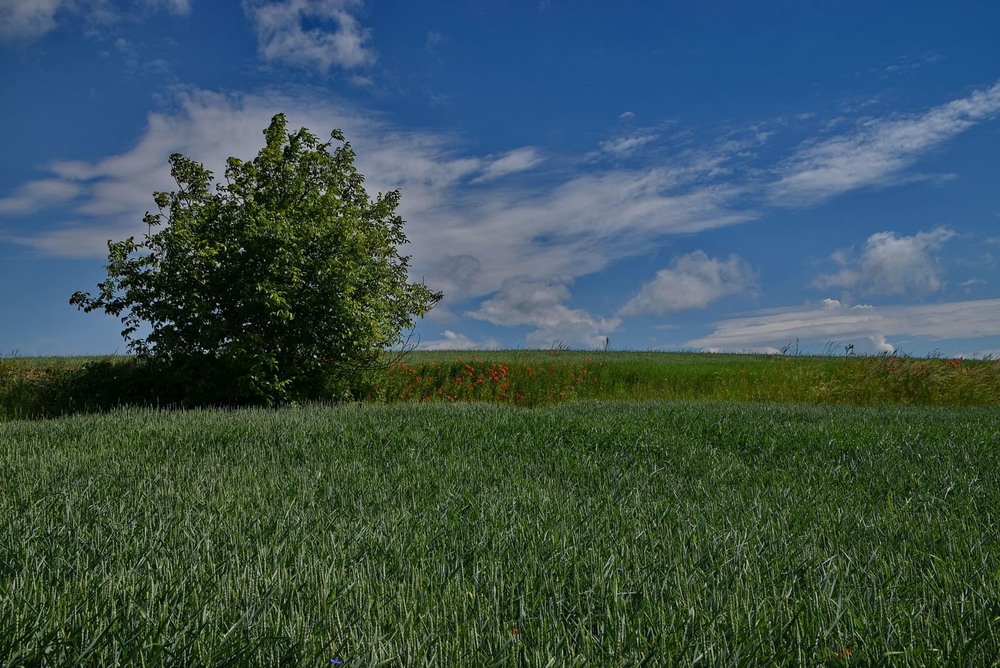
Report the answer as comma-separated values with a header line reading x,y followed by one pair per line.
x,y
572,228
877,151
624,145
111,194
36,195
512,162
338,40
574,225
906,64
178,7
890,264
572,216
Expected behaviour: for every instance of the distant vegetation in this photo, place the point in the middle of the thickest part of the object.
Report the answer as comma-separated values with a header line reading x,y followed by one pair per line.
x,y
55,386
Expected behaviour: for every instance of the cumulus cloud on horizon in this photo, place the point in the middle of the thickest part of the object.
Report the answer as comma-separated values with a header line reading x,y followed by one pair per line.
x,y
541,305
457,341
827,323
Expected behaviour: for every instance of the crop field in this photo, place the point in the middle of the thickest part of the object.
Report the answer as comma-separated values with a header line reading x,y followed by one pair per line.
x,y
492,534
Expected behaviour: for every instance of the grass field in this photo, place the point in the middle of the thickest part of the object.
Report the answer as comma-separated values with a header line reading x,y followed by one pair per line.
x,y
599,533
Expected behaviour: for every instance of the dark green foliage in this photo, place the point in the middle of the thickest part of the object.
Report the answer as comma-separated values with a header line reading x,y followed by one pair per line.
x,y
63,387
281,284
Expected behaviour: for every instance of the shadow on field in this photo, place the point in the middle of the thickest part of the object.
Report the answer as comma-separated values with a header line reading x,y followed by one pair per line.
x,y
31,390
37,391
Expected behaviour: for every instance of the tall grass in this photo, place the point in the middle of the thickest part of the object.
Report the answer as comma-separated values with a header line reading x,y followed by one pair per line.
x,y
30,388
542,377
599,533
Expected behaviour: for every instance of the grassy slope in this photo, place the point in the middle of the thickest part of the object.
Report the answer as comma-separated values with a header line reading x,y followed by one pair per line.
x,y
491,535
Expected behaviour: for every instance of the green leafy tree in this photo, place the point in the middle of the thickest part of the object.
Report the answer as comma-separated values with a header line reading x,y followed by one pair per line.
x,y
280,284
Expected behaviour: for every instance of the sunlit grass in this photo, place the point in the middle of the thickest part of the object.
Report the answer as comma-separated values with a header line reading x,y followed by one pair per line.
x,y
591,532
542,377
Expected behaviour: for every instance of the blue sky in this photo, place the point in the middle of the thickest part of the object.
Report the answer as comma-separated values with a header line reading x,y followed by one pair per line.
x,y
712,175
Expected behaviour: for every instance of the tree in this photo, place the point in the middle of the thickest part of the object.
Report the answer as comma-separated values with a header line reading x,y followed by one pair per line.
x,y
278,285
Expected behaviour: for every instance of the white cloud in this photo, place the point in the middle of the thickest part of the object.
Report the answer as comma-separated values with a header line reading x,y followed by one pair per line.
x,y
877,151
26,20
37,195
282,35
464,241
627,116
179,7
455,275
578,219
434,40
574,227
518,160
692,281
457,341
73,170
537,303
624,145
525,301
765,350
113,193
965,319
881,345
891,265
22,20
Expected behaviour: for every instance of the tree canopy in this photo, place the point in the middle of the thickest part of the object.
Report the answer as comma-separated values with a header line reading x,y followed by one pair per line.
x,y
278,284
